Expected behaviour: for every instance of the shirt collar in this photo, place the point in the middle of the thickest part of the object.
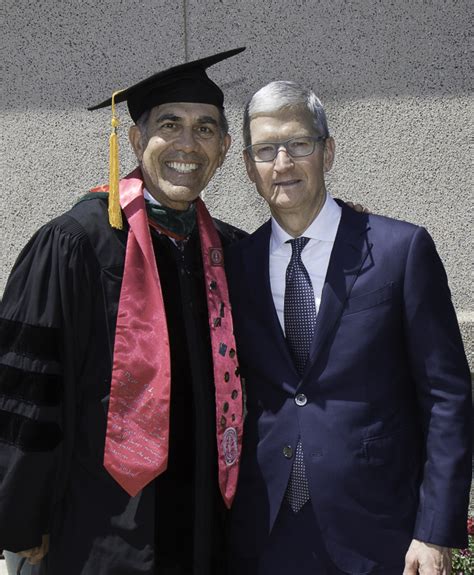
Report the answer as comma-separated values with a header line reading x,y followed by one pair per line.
x,y
150,198
322,228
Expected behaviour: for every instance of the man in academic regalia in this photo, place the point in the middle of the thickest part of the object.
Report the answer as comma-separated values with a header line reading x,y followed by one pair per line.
x,y
121,403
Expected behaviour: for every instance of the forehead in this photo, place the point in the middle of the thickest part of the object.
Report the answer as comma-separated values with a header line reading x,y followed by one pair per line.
x,y
280,125
186,111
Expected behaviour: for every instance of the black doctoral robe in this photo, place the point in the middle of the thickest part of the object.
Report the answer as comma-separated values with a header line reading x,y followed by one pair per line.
x,y
57,323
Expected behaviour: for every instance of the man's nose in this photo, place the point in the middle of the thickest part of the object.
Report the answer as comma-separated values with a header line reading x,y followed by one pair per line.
x,y
283,160
186,140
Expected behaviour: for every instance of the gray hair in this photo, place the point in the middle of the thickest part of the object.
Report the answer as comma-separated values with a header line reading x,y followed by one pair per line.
x,y
283,95
142,122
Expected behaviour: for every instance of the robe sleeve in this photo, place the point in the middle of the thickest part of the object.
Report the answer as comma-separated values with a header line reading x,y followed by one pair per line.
x,y
43,339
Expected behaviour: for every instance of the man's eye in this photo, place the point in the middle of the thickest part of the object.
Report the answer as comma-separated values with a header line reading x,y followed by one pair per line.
x,y
265,149
300,145
264,152
205,131
168,126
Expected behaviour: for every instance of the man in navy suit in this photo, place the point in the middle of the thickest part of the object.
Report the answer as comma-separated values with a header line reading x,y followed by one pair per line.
x,y
357,454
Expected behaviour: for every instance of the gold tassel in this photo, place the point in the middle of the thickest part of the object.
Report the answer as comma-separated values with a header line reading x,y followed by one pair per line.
x,y
115,214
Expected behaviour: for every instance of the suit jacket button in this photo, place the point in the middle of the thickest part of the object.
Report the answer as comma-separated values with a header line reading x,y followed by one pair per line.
x,y
301,399
288,451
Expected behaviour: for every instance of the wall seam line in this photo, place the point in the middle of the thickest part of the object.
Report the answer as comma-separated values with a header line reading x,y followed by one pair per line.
x,y
185,22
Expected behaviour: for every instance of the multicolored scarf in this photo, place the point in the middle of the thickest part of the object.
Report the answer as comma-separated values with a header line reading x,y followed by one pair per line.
x,y
175,223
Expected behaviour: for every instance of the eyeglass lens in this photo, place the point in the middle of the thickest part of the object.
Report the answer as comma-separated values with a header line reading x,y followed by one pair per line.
x,y
295,147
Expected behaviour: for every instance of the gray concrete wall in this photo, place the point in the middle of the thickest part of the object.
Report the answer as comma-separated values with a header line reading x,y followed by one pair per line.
x,y
394,77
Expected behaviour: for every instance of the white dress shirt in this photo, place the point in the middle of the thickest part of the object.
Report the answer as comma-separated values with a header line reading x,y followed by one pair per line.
x,y
315,255
150,198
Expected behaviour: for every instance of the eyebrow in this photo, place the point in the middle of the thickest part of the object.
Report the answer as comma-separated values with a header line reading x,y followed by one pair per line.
x,y
207,120
175,118
171,117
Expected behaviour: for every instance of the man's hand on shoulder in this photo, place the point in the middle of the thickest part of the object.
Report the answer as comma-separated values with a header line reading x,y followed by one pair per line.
x,y
358,208
427,559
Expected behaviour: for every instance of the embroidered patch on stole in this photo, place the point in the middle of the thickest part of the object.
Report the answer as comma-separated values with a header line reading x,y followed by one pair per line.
x,y
230,445
216,256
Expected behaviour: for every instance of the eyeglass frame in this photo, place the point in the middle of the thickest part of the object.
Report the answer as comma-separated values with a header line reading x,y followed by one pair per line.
x,y
315,140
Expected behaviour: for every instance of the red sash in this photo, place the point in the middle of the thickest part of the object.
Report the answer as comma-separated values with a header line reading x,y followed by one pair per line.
x,y
136,444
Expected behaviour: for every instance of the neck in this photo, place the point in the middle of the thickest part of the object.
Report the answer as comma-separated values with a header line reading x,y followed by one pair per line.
x,y
177,224
295,223
179,205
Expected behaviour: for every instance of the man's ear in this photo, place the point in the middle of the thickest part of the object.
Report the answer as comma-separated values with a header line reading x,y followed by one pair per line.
x,y
135,137
329,153
249,165
226,142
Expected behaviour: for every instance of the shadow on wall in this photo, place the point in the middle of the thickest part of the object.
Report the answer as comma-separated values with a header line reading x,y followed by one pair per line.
x,y
357,50
58,57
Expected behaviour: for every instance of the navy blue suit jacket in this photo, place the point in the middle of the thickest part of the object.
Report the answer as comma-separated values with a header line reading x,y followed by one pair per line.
x,y
387,426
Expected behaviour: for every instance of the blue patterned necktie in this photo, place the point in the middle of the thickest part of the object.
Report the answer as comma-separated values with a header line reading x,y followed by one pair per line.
x,y
300,321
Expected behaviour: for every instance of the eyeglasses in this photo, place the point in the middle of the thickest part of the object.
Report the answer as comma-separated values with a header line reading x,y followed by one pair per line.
x,y
295,147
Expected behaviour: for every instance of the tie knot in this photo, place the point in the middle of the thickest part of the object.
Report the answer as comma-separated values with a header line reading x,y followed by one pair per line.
x,y
298,244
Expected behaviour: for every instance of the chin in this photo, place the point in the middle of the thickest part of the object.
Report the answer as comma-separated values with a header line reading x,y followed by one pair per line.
x,y
287,203
173,193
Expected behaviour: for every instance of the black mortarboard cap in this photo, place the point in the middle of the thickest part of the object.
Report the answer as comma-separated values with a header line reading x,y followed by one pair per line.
x,y
184,83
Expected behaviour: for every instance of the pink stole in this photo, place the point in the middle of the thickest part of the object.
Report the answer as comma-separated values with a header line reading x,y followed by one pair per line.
x,y
136,444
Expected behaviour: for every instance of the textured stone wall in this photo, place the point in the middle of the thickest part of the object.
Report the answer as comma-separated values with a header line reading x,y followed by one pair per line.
x,y
394,77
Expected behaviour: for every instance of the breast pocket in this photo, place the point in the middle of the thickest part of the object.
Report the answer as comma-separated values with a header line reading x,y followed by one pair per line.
x,y
368,300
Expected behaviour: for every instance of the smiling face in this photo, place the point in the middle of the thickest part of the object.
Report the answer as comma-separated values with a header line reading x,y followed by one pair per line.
x,y
293,187
179,151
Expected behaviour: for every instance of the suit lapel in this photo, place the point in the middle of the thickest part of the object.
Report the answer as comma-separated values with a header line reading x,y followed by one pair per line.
x,y
350,251
256,263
